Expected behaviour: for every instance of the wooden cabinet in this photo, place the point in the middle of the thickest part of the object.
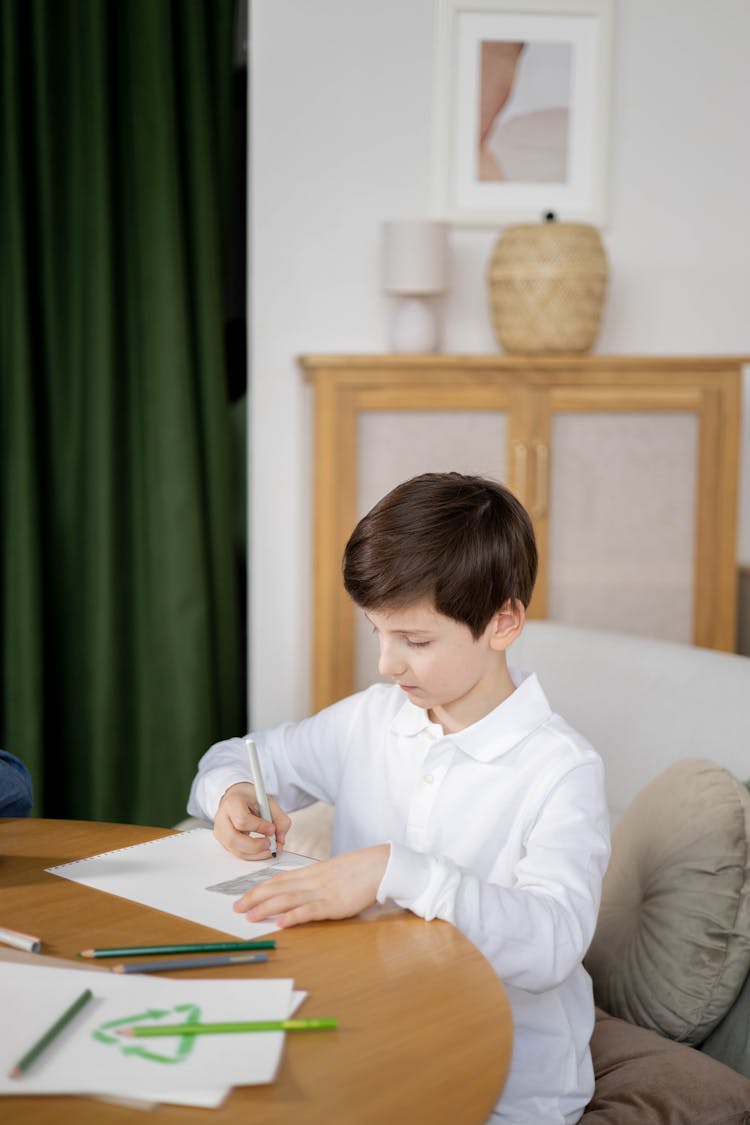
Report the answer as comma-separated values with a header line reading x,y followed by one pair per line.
x,y
628,466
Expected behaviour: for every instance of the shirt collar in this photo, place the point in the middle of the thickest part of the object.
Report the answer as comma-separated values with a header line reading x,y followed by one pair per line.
x,y
505,727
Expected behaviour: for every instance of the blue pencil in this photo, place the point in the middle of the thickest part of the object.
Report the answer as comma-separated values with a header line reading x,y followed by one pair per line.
x,y
167,964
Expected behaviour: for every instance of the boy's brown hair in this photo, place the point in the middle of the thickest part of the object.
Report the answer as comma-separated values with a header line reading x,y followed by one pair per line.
x,y
464,542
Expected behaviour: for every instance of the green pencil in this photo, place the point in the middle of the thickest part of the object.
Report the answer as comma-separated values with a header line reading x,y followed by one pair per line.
x,y
195,947
41,1045
156,1030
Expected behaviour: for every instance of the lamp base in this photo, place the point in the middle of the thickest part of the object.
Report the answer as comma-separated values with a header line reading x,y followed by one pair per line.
x,y
414,324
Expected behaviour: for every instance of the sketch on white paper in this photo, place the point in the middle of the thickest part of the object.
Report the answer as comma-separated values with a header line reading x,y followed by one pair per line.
x,y
242,883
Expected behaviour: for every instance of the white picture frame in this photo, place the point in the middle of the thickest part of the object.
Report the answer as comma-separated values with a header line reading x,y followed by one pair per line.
x,y
522,110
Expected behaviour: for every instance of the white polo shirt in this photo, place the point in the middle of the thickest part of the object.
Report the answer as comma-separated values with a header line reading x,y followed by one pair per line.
x,y
501,829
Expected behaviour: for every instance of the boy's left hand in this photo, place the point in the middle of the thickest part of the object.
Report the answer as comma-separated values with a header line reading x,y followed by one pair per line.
x,y
333,888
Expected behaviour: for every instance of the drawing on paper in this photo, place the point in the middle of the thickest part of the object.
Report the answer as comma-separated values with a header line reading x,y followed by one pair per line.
x,y
242,883
107,1033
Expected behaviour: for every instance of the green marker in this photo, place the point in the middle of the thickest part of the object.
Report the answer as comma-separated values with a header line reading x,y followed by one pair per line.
x,y
225,1028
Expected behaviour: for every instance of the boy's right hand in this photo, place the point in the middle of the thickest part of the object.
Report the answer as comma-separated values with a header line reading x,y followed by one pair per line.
x,y
237,816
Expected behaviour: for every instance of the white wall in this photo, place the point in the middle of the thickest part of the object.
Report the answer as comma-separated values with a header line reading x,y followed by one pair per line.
x,y
341,124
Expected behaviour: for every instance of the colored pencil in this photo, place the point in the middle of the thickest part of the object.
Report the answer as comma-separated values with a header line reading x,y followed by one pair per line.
x,y
156,1030
20,941
59,1025
196,947
167,964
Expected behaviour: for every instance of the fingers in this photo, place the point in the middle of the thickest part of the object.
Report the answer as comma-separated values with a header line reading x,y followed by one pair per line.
x,y
307,912
281,822
273,894
297,895
244,818
334,888
240,843
289,910
240,829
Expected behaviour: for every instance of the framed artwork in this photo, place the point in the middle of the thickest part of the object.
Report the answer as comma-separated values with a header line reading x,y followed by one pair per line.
x,y
522,109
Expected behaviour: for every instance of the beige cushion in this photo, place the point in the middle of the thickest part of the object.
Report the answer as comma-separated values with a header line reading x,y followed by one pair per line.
x,y
309,835
672,944
643,1079
311,830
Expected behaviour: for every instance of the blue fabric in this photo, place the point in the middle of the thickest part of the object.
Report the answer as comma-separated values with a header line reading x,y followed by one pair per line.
x,y
16,794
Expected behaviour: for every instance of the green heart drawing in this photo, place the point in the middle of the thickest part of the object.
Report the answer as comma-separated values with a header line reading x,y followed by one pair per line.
x,y
107,1033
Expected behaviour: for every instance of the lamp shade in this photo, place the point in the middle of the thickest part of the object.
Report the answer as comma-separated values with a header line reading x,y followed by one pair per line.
x,y
415,256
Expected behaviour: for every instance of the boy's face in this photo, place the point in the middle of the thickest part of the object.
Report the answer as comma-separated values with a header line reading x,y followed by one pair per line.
x,y
440,666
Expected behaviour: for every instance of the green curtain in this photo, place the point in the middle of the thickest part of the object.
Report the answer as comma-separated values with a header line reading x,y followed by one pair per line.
x,y
119,619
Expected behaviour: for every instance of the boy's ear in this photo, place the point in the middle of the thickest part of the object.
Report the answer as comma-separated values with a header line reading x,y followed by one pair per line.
x,y
507,624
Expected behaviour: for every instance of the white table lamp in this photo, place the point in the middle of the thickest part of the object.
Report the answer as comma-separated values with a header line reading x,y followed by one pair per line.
x,y
415,272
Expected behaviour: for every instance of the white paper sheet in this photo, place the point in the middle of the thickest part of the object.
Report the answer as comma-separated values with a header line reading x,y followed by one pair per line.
x,y
174,874
209,1098
89,1057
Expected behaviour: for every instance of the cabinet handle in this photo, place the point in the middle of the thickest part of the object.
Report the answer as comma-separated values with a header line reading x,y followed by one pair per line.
x,y
541,478
519,470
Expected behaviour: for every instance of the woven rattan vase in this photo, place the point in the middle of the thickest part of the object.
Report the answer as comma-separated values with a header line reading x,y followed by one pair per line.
x,y
547,283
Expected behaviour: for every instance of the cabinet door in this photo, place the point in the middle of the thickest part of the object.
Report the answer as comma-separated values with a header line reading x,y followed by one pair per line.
x,y
625,504
628,467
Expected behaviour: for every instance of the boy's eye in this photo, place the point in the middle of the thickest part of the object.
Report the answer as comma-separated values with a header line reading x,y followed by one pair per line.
x,y
417,644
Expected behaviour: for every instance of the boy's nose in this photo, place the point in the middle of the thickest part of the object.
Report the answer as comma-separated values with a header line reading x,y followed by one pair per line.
x,y
389,664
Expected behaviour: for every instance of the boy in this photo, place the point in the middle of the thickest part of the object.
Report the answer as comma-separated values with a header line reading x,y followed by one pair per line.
x,y
458,794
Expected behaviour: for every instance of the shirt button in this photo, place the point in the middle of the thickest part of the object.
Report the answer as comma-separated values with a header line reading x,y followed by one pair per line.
x,y
428,777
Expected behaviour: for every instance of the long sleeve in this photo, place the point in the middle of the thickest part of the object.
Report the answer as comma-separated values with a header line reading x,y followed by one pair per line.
x,y
500,829
537,929
301,762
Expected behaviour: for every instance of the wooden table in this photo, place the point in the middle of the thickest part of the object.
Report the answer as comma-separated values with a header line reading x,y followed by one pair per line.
x,y
424,1024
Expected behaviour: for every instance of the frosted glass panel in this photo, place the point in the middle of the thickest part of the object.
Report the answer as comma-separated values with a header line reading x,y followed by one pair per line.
x,y
395,445
622,522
